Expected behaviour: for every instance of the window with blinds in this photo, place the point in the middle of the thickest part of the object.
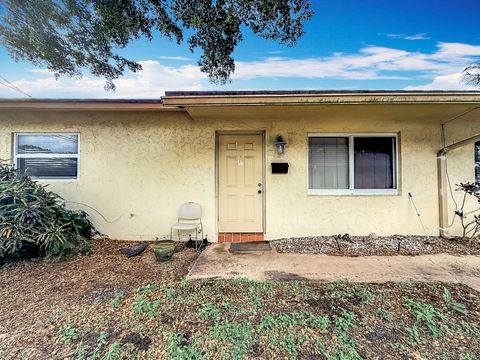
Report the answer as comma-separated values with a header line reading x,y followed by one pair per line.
x,y
328,162
47,156
353,163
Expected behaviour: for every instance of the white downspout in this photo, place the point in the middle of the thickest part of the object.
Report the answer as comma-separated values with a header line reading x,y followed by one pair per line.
x,y
443,182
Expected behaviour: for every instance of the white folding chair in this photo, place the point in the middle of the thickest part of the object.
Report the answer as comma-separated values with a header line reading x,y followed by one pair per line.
x,y
189,220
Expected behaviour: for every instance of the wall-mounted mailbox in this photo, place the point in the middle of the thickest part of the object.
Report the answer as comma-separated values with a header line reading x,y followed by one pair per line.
x,y
279,168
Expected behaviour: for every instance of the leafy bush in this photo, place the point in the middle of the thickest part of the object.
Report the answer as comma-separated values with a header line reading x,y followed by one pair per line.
x,y
470,220
35,222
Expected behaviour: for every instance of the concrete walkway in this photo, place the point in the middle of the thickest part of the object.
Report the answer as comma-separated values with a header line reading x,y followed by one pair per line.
x,y
217,262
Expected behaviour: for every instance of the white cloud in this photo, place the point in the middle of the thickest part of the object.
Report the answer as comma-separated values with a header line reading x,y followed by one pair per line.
x,y
444,82
370,63
309,68
179,58
420,36
456,50
439,70
151,82
40,71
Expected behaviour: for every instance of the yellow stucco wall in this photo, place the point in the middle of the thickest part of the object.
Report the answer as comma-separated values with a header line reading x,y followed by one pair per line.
x,y
136,168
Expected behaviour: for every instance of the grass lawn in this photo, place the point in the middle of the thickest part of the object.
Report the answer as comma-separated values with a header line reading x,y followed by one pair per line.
x,y
105,306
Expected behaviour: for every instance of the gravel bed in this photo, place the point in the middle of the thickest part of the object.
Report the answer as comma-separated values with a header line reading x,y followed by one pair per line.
x,y
346,245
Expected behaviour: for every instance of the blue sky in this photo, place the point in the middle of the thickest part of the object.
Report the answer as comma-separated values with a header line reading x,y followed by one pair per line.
x,y
347,45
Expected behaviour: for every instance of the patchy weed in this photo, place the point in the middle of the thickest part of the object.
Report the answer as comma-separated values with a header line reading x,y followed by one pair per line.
x,y
67,334
117,301
345,321
184,283
453,305
145,308
147,289
428,315
413,333
177,350
209,312
287,343
382,314
233,339
170,294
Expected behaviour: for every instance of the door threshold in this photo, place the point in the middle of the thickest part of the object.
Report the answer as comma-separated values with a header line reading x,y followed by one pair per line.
x,y
224,237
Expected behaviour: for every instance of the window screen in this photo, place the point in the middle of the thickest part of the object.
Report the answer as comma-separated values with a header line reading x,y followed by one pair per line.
x,y
374,159
47,156
328,163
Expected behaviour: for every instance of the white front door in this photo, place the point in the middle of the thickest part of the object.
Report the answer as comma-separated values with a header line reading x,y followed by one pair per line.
x,y
240,179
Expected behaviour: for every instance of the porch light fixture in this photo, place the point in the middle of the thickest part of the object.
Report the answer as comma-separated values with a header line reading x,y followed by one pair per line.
x,y
280,145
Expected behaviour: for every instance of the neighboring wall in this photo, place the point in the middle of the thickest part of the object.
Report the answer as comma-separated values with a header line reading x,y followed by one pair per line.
x,y
137,168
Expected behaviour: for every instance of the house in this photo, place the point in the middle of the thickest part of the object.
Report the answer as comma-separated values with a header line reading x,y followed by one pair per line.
x,y
262,164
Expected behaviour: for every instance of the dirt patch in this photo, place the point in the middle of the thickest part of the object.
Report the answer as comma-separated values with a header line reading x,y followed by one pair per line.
x,y
379,333
373,245
283,276
139,341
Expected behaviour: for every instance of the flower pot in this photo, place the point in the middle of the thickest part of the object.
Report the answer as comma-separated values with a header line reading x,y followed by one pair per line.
x,y
163,250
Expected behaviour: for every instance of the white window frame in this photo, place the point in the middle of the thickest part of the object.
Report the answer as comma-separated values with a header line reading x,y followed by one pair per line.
x,y
351,165
30,156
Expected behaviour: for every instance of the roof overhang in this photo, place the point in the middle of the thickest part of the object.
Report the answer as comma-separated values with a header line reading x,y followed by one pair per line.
x,y
87,104
184,100
278,98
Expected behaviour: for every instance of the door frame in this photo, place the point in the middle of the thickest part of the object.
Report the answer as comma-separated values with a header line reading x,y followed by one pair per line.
x,y
217,171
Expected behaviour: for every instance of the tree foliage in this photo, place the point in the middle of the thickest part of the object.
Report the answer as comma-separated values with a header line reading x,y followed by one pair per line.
x,y
69,36
35,222
471,75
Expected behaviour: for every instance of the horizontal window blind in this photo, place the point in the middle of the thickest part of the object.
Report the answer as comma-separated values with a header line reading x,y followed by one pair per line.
x,y
47,156
328,163
353,162
49,168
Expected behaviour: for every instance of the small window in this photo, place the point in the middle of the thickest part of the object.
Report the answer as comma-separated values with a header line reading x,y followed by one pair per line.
x,y
47,156
353,164
374,162
477,162
328,163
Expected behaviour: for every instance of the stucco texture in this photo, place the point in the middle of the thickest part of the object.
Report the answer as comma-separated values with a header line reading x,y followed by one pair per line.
x,y
137,168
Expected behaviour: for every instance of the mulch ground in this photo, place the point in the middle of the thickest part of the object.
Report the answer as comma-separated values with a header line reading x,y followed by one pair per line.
x,y
35,294
372,245
106,306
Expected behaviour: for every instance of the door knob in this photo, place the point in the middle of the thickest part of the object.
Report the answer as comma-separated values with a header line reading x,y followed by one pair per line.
x,y
259,191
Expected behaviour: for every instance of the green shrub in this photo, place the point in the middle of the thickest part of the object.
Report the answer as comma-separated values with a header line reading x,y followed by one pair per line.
x,y
35,222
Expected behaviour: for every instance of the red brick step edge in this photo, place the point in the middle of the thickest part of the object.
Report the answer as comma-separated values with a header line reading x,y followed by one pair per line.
x,y
239,237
